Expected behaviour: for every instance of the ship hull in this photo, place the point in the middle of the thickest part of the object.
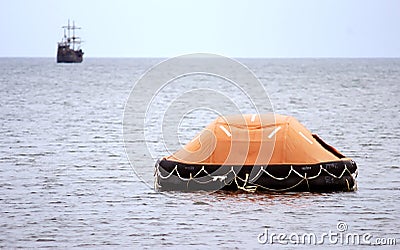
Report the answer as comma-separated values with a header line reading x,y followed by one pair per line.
x,y
67,55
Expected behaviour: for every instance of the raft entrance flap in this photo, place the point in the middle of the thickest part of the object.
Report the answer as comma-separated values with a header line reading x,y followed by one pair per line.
x,y
328,147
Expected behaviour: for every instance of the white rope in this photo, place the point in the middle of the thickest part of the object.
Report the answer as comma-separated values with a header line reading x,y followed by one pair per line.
x,y
277,178
252,188
305,178
258,173
341,175
315,176
169,175
245,187
283,189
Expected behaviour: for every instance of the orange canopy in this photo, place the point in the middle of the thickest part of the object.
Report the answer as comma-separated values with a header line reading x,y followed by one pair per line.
x,y
255,140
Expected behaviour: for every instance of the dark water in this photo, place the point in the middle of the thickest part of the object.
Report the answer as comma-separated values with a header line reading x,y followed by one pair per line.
x,y
65,180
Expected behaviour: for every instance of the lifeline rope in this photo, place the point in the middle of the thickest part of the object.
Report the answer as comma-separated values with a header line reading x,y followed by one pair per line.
x,y
254,186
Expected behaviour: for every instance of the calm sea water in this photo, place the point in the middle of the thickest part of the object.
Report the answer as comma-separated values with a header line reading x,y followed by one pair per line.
x,y
65,180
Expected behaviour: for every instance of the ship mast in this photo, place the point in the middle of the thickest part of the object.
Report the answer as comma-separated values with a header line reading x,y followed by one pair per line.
x,y
75,40
69,28
73,35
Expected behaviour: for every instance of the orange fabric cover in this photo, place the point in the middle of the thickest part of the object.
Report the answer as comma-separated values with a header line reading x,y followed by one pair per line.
x,y
254,140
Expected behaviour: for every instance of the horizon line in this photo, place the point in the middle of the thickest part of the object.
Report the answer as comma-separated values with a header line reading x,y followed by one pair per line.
x,y
240,57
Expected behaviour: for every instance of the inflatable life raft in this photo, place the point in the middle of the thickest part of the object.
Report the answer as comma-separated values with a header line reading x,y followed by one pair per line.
x,y
256,152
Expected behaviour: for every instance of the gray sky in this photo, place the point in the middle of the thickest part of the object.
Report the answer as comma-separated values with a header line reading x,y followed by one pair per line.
x,y
161,28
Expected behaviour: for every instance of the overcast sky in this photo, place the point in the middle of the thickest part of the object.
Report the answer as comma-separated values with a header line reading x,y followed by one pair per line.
x,y
165,28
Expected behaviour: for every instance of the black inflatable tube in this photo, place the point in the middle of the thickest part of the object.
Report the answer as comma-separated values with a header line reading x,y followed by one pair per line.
x,y
321,177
